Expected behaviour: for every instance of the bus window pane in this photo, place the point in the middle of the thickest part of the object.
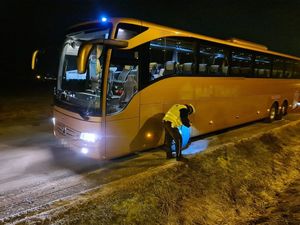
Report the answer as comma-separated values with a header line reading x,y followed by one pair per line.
x,y
278,67
183,55
212,61
128,31
122,80
241,64
262,66
288,69
160,58
171,56
297,70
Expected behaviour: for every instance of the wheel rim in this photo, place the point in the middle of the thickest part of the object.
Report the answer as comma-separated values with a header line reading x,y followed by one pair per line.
x,y
272,113
284,109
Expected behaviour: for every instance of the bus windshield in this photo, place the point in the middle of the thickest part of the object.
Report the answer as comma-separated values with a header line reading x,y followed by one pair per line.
x,y
77,92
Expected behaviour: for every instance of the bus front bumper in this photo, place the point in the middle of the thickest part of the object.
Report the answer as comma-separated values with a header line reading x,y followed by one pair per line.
x,y
83,137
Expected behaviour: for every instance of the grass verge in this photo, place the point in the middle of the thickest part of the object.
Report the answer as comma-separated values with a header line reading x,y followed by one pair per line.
x,y
231,184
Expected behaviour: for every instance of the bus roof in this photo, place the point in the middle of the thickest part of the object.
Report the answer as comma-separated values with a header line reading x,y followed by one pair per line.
x,y
168,31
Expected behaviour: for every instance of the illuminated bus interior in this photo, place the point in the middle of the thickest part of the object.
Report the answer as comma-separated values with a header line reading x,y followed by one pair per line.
x,y
185,56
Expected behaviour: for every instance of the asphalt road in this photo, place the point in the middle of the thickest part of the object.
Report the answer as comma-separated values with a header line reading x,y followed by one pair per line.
x,y
35,169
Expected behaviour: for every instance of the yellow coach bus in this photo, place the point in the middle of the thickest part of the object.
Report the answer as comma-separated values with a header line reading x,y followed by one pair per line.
x,y
118,76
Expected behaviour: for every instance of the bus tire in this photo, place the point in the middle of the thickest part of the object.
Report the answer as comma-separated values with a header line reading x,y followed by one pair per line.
x,y
284,108
283,111
272,113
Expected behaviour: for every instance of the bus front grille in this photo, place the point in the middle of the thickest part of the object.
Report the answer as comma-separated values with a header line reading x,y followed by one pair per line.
x,y
66,131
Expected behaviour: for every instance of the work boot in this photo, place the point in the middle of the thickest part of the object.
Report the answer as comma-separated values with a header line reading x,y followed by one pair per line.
x,y
178,157
169,156
182,159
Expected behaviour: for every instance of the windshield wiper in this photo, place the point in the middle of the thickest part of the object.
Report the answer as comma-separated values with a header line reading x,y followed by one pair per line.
x,y
81,106
84,114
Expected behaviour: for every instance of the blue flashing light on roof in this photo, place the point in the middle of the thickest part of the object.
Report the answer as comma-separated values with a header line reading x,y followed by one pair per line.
x,y
103,19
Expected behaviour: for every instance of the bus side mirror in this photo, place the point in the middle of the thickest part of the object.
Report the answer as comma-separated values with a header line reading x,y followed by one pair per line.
x,y
83,54
86,48
34,59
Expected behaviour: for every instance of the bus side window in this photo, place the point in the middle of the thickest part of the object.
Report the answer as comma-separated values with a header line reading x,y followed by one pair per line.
x,y
262,66
278,67
171,56
212,61
185,55
241,63
288,69
296,73
159,55
203,59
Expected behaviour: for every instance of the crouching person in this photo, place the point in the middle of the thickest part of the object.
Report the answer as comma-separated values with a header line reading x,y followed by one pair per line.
x,y
174,118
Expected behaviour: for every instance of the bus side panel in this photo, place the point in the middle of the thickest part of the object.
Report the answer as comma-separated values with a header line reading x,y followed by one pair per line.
x,y
121,130
151,131
119,137
220,102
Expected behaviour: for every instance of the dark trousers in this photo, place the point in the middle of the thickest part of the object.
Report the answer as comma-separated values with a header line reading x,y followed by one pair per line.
x,y
172,134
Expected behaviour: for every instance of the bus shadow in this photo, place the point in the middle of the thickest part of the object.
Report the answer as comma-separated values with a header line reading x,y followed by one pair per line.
x,y
150,134
67,159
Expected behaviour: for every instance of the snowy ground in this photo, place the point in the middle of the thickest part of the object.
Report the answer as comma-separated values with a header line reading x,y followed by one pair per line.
x,y
36,170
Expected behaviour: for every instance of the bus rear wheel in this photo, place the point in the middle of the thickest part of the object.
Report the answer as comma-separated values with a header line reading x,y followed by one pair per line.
x,y
283,111
284,108
273,113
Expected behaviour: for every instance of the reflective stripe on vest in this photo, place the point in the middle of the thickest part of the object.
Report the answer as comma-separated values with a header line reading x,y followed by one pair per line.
x,y
173,115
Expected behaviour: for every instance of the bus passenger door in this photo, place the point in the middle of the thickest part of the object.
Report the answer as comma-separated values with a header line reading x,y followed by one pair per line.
x,y
122,103
121,130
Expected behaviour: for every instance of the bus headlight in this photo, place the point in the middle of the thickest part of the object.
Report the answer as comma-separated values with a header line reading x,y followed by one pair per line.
x,y
89,137
53,121
84,150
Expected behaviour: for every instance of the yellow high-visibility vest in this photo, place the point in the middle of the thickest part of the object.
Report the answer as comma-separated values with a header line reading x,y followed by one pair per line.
x,y
173,115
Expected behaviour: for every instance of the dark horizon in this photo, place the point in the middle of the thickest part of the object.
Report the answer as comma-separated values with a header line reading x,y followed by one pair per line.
x,y
36,24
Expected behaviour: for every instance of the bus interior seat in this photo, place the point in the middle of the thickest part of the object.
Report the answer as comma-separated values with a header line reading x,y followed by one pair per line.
x,y
261,72
267,72
111,78
124,73
224,69
202,67
187,67
130,87
245,70
161,72
127,67
169,67
235,70
279,73
133,73
179,67
214,68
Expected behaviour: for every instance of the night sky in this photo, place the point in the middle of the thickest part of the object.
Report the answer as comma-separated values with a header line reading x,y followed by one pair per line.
x,y
32,24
